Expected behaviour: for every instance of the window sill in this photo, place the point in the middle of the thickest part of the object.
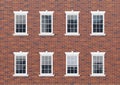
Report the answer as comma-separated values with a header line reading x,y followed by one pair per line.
x,y
72,34
72,75
47,34
46,75
97,75
97,34
20,34
20,75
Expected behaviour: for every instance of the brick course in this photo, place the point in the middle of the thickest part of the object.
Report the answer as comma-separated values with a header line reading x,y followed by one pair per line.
x,y
59,43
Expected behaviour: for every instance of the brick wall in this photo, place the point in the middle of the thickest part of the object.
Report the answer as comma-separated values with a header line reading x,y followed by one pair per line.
x,y
59,43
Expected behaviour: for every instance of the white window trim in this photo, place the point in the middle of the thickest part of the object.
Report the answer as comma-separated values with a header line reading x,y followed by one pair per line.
x,y
98,13
20,54
98,54
20,13
46,53
46,13
72,54
72,13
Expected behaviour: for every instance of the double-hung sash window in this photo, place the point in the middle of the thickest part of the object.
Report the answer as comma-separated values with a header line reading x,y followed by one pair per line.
x,y
46,23
46,63
98,63
72,63
20,23
20,63
72,23
98,28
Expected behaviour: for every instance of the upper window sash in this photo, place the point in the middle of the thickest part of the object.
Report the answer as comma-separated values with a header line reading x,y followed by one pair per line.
x,y
98,13
100,54
74,54
16,54
43,13
70,13
17,13
46,54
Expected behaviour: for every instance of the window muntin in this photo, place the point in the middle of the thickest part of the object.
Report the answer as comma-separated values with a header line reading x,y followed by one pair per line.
x,y
20,63
20,22
46,23
72,23
98,20
46,63
98,63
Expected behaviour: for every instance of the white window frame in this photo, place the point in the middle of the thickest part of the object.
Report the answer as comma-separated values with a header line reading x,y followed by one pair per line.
x,y
73,54
98,54
46,13
20,13
20,54
72,13
98,13
46,53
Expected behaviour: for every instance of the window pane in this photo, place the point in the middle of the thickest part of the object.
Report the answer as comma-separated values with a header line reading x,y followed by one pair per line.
x,y
20,64
46,64
24,19
17,19
98,23
72,23
20,19
71,64
20,23
97,64
46,68
46,23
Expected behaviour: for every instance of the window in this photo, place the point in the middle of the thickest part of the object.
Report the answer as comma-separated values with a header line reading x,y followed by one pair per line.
x,y
98,23
46,63
20,23
46,23
72,23
98,63
20,63
72,63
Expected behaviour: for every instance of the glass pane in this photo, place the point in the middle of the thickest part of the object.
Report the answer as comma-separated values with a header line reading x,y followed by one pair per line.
x,y
72,23
71,69
46,23
20,19
20,64
98,23
24,19
72,64
17,19
46,60
97,64
46,68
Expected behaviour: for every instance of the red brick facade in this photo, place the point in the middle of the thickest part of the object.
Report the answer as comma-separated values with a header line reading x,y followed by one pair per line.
x,y
59,43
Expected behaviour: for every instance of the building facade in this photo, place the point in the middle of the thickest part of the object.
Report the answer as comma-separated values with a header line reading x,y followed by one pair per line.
x,y
59,42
